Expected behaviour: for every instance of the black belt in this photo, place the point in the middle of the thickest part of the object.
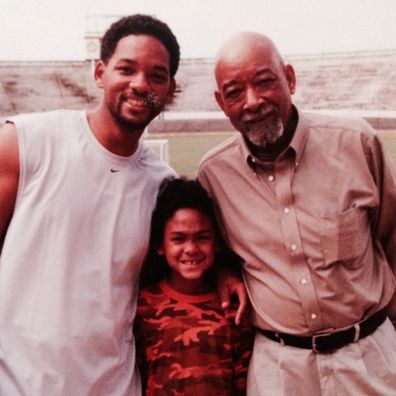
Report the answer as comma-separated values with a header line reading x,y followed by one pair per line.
x,y
323,342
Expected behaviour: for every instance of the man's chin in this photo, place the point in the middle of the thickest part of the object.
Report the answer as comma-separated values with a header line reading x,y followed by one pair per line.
x,y
263,134
260,139
133,122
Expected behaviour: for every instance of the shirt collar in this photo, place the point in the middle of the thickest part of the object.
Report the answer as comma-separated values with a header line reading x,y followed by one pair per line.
x,y
300,137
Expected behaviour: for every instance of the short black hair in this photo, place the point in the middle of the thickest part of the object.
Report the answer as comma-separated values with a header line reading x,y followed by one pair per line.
x,y
175,194
141,24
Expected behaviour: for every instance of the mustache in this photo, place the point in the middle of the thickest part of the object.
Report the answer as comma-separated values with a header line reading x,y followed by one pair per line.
x,y
151,99
260,113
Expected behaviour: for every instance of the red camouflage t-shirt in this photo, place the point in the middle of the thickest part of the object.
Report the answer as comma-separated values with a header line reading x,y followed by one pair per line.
x,y
186,345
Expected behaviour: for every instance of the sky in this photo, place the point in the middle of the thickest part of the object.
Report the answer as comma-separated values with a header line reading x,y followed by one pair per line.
x,y
55,29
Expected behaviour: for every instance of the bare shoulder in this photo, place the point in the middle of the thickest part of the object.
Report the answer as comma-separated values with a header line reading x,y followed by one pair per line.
x,y
9,174
8,146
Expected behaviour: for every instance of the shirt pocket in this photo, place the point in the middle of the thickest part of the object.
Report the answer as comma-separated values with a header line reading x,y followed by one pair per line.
x,y
344,236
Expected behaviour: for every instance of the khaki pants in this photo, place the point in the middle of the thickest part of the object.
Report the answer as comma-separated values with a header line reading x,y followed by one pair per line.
x,y
367,367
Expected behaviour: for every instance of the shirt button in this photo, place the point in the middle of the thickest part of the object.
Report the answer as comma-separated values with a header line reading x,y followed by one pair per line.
x,y
293,247
303,281
314,316
271,178
286,210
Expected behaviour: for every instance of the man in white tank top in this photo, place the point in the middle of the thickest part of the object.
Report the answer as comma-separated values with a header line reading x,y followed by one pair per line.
x,y
76,194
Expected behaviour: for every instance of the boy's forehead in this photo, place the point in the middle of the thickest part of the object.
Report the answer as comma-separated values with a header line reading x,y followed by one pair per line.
x,y
189,216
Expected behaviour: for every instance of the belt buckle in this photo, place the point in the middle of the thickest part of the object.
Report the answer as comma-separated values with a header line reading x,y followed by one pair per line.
x,y
316,337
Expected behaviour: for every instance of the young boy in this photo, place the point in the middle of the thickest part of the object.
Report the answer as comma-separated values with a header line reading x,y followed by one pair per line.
x,y
185,343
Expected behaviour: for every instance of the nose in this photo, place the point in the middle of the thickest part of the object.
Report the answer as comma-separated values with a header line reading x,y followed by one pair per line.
x,y
138,81
253,99
190,246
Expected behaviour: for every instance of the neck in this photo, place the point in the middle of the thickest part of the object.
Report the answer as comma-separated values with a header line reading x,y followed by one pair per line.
x,y
191,287
111,135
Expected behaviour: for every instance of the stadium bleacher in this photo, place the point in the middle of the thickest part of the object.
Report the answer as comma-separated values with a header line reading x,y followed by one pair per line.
x,y
363,82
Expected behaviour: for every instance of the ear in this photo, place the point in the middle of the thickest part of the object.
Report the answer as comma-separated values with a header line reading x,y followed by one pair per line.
x,y
291,78
98,73
172,88
219,100
171,92
160,251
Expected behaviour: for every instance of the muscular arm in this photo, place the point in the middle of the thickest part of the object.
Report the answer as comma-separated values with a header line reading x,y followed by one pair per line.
x,y
9,176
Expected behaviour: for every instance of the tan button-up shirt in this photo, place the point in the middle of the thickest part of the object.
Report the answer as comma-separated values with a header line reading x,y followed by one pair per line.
x,y
317,230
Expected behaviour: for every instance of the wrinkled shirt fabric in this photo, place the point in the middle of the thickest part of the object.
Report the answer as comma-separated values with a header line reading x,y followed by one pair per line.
x,y
316,228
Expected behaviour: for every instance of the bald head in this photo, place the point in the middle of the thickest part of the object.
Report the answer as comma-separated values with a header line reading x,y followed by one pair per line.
x,y
241,45
254,87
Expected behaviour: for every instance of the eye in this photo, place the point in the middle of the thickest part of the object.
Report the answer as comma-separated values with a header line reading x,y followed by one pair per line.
x,y
177,239
265,81
232,93
125,70
204,237
159,78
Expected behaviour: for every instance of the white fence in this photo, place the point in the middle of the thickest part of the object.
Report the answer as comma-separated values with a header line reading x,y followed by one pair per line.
x,y
160,146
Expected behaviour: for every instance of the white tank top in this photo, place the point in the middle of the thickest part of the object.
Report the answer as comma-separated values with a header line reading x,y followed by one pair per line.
x,y
71,260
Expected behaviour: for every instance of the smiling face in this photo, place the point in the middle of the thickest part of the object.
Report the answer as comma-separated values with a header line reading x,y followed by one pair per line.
x,y
254,87
136,81
189,246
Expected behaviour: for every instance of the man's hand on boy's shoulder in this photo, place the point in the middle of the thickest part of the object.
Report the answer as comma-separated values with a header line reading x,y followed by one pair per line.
x,y
229,286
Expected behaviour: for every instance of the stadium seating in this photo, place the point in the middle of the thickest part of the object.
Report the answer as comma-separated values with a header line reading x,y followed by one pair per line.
x,y
356,81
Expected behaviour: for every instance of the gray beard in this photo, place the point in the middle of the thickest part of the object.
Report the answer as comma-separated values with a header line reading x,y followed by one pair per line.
x,y
261,135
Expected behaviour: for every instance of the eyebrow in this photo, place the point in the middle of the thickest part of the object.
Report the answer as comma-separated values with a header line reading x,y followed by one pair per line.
x,y
161,68
265,71
228,84
260,72
126,60
205,231
132,62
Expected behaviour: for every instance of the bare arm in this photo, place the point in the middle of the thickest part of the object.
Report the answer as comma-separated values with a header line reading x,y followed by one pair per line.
x,y
9,176
229,284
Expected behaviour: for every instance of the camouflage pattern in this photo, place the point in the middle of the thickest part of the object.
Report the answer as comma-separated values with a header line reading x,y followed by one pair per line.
x,y
186,345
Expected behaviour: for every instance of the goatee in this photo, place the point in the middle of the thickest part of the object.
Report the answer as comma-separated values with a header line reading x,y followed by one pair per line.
x,y
265,133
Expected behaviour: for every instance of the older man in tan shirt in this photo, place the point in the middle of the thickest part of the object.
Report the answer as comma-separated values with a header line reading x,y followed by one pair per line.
x,y
309,202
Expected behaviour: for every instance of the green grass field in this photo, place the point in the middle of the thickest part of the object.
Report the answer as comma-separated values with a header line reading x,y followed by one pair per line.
x,y
186,149
390,143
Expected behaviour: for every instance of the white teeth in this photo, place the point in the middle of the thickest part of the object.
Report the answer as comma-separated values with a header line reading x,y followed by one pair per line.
x,y
134,102
190,262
